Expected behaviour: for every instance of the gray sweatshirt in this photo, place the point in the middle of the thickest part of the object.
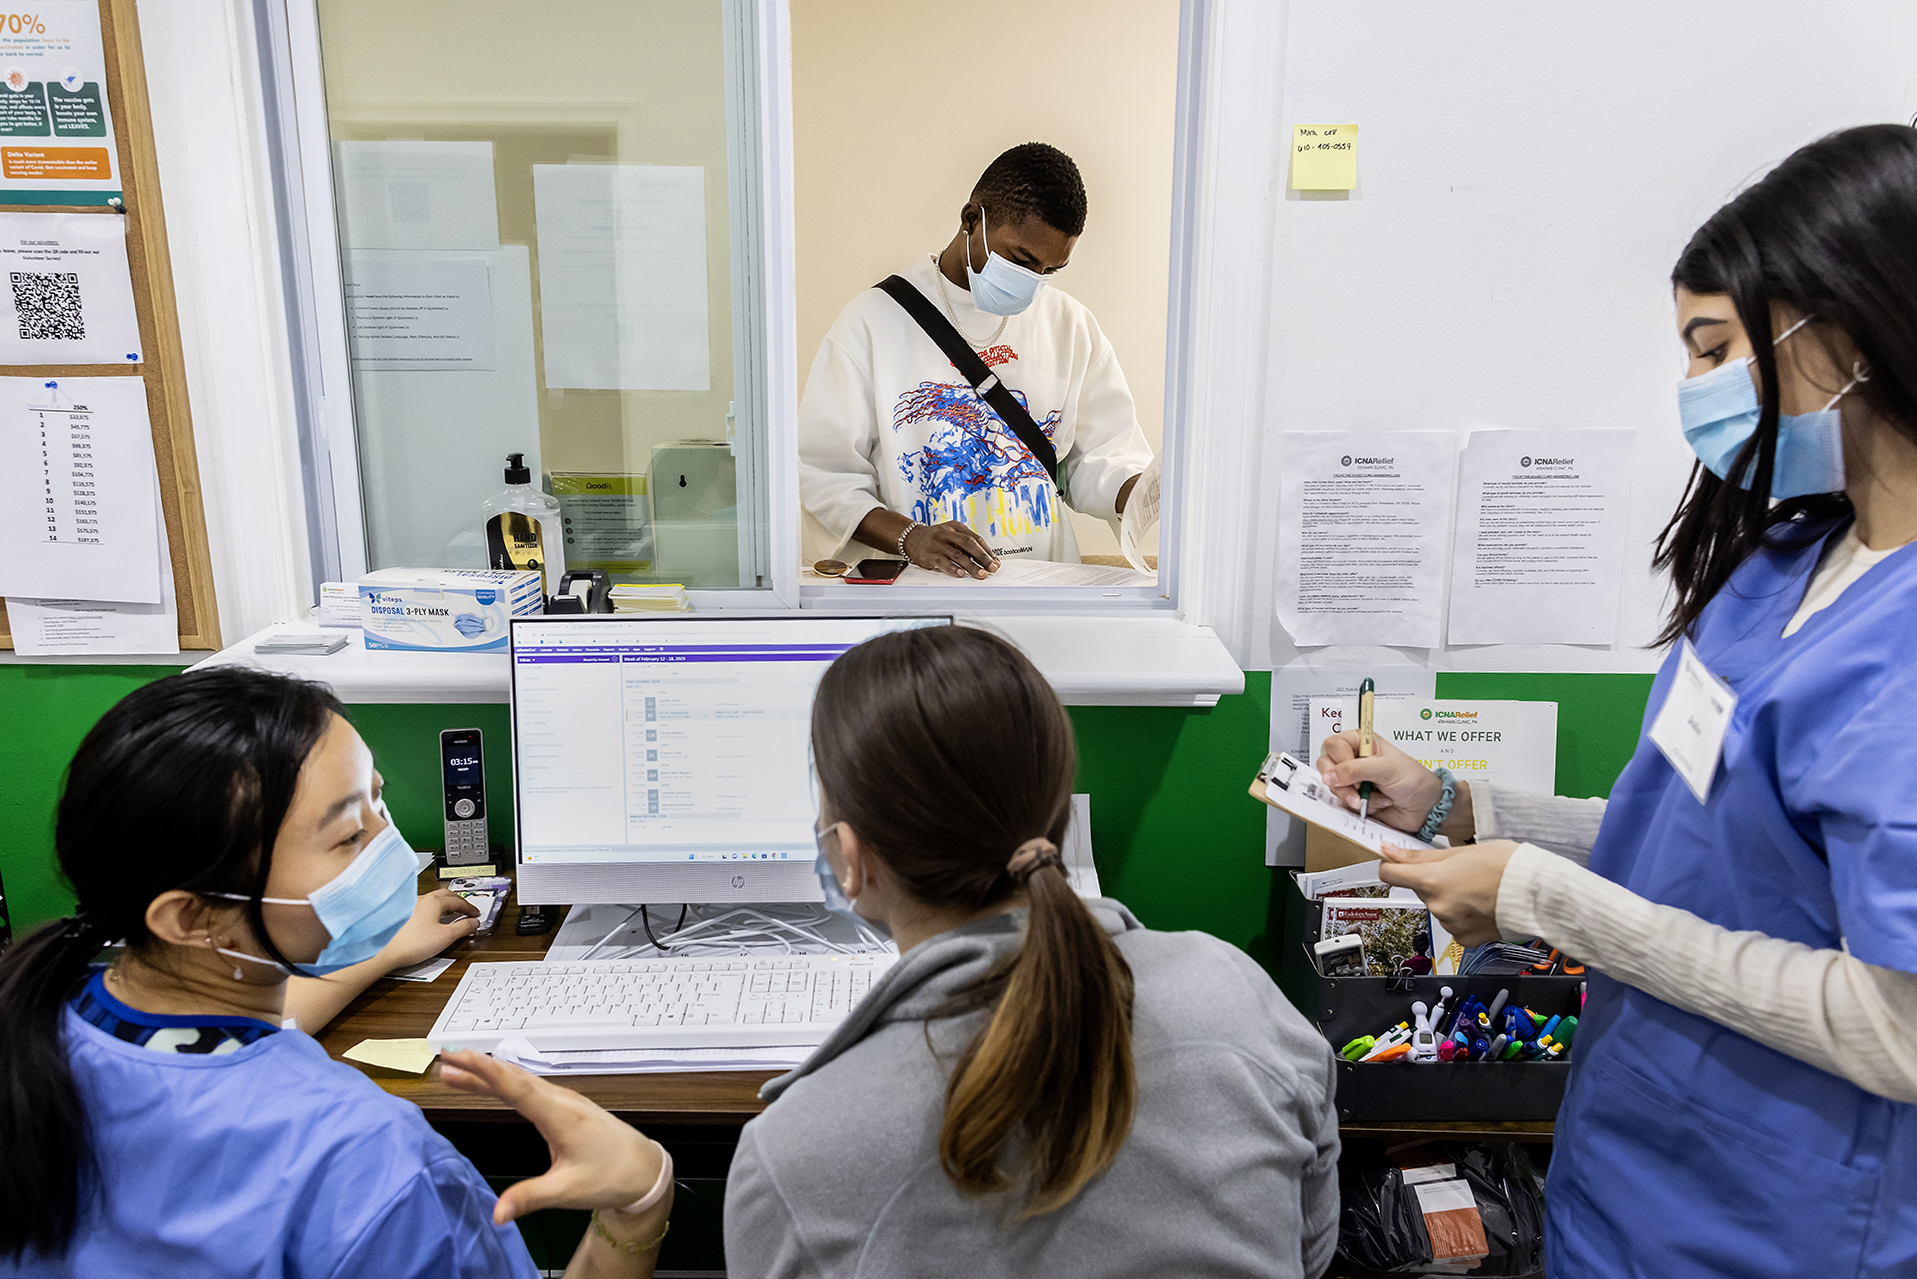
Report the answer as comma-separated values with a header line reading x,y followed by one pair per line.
x,y
1230,1167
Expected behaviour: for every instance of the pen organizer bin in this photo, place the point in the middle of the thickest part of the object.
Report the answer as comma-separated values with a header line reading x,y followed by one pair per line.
x,y
1343,1008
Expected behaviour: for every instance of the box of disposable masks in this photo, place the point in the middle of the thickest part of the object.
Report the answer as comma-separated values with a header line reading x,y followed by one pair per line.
x,y
445,610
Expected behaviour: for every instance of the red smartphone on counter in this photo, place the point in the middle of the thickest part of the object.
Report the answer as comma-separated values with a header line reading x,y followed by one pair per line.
x,y
876,572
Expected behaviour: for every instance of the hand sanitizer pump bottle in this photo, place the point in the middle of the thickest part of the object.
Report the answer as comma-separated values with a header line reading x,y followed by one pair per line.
x,y
523,528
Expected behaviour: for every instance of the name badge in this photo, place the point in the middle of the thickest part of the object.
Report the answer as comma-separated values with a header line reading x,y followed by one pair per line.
x,y
1690,726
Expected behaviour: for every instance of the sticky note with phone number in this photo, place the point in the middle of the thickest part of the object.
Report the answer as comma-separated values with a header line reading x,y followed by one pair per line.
x,y
1324,157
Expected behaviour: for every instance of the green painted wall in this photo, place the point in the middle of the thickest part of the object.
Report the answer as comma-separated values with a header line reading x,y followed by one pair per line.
x,y
44,712
1178,838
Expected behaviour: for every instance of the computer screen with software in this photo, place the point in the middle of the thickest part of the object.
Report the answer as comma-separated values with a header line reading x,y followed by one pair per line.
x,y
666,759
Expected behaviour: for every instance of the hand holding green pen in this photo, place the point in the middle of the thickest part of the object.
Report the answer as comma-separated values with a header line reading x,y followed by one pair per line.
x,y
1367,695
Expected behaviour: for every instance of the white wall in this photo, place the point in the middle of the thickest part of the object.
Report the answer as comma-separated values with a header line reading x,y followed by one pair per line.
x,y
1527,177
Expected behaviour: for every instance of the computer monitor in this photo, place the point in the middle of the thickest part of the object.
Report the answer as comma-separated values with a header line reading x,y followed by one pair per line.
x,y
665,759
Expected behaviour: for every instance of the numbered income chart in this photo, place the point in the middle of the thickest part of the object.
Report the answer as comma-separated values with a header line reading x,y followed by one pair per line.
x,y
68,474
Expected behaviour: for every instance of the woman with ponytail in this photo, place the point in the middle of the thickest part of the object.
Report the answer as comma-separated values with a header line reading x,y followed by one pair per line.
x,y
160,1117
1041,1085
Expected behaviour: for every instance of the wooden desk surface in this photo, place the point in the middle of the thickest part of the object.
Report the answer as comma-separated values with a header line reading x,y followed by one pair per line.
x,y
407,1009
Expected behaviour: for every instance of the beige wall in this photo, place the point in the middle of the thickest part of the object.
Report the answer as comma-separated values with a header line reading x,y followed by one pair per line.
x,y
898,106
626,81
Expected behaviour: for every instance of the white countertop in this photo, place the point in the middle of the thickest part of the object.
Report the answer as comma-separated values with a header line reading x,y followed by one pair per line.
x,y
1090,660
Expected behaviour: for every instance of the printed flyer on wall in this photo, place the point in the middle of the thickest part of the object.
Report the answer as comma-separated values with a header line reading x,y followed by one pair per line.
x,y
56,128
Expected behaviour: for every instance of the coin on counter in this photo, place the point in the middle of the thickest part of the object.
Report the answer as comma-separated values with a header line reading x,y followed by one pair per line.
x,y
831,568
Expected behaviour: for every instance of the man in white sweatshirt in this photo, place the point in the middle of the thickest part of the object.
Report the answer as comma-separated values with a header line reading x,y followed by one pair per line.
x,y
898,453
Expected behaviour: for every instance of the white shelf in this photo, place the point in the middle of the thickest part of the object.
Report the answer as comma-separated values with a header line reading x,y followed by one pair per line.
x,y
357,675
1091,661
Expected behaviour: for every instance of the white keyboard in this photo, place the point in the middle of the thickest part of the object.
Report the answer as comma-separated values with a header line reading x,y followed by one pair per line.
x,y
657,1003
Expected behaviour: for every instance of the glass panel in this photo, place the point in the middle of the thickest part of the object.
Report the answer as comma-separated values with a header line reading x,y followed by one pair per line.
x,y
539,244
888,429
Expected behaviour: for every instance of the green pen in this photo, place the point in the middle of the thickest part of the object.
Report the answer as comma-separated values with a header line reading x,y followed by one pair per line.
x,y
1367,695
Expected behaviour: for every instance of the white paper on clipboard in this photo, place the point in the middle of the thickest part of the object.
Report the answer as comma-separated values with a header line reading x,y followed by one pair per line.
x,y
1285,783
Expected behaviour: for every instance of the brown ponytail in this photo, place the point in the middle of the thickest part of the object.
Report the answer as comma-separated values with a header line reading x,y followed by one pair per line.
x,y
947,752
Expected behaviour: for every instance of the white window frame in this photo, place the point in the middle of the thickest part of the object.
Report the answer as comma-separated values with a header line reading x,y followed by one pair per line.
x,y
1208,486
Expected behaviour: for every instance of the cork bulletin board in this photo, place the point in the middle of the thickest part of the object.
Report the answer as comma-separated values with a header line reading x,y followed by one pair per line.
x,y
164,369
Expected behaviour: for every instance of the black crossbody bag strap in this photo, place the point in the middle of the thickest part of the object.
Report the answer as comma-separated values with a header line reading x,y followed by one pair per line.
x,y
985,383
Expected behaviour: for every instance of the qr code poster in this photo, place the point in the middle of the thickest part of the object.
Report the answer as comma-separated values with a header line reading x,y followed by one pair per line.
x,y
66,296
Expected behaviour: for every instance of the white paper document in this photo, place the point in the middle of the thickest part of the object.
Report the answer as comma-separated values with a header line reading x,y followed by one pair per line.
x,y
433,444
1023,572
622,276
1293,689
1514,744
68,297
1539,556
643,1061
419,312
1288,783
427,971
44,628
1141,515
1364,517
1077,851
78,498
416,195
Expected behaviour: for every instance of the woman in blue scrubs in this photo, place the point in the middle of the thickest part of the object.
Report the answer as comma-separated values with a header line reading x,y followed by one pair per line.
x,y
158,1118
1742,1097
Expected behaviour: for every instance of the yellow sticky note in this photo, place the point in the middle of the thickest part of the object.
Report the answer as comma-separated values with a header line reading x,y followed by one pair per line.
x,y
1324,157
409,1055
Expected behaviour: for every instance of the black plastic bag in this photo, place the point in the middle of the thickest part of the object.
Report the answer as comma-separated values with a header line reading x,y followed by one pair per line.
x,y
1381,1227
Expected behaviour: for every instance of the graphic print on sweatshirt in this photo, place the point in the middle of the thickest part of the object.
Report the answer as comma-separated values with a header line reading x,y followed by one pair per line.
x,y
973,468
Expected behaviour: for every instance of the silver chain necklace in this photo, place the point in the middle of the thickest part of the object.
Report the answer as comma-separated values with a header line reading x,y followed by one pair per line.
x,y
938,273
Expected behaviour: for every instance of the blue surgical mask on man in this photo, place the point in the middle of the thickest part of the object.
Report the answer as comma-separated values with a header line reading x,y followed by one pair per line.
x,y
1003,287
1719,411
361,908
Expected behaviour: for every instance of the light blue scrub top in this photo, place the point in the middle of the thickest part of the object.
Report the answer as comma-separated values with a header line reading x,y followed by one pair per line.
x,y
269,1160
1685,1148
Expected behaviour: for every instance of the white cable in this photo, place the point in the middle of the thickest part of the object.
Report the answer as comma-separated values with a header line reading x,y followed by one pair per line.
x,y
747,930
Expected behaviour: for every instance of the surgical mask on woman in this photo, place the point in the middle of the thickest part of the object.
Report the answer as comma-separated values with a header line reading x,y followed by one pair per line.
x,y
361,908
835,899
1719,411
1003,287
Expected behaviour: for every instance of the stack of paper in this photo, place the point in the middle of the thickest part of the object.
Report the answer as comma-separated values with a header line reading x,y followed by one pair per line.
x,y
645,1061
635,597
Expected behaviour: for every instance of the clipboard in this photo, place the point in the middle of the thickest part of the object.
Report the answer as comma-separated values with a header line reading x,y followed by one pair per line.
x,y
1296,788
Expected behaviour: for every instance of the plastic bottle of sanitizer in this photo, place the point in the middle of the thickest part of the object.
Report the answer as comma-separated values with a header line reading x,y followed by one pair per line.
x,y
523,528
